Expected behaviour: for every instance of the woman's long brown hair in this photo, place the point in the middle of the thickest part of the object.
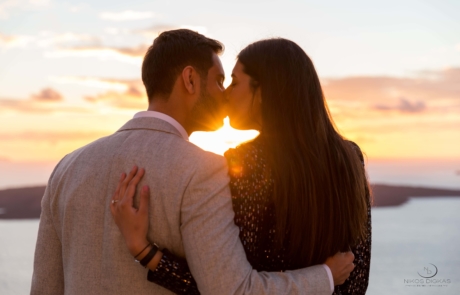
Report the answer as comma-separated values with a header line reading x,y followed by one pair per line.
x,y
320,183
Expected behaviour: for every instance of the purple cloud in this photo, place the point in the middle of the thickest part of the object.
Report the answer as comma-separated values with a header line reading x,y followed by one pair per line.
x,y
404,106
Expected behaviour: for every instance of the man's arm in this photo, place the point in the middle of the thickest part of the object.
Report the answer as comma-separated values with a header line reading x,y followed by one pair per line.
x,y
48,276
213,249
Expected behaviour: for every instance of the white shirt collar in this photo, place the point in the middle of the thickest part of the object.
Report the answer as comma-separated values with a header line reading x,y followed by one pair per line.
x,y
163,117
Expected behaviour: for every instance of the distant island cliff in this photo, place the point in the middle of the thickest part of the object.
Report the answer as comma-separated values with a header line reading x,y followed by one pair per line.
x,y
24,203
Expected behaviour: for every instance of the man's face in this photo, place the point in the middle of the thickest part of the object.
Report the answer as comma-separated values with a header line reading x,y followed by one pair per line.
x,y
209,111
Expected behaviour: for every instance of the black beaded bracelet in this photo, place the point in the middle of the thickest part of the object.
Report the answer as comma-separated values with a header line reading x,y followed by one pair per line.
x,y
149,255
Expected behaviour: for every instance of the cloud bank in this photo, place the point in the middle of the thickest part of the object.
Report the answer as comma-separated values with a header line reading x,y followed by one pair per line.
x,y
48,95
45,101
404,106
132,97
127,15
432,91
7,6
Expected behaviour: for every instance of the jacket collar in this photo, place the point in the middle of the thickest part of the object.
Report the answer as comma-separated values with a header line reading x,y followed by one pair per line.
x,y
149,123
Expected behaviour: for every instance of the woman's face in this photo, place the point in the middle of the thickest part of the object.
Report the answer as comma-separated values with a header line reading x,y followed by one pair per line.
x,y
244,105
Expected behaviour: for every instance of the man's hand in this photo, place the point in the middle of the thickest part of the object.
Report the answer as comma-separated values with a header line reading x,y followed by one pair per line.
x,y
341,265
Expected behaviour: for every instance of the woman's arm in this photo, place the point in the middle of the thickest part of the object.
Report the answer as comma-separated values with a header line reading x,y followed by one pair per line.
x,y
165,269
172,272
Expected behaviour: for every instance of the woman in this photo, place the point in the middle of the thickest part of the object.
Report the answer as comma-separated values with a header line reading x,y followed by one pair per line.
x,y
299,190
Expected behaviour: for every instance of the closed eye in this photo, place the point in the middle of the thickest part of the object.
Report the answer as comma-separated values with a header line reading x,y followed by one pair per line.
x,y
221,82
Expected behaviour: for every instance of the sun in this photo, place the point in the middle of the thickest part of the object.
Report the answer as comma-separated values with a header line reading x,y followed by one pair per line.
x,y
221,140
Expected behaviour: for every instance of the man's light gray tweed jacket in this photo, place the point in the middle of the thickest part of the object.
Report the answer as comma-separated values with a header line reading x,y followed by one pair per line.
x,y
81,251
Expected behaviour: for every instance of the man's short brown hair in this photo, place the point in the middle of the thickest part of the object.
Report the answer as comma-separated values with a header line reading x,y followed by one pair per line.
x,y
170,53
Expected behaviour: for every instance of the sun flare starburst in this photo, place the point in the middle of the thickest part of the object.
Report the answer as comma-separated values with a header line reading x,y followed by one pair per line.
x,y
221,140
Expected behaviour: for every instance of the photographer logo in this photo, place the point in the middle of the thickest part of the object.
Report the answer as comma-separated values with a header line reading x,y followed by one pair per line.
x,y
427,277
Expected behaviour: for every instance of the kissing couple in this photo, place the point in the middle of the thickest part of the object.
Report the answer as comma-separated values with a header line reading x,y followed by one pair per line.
x,y
144,211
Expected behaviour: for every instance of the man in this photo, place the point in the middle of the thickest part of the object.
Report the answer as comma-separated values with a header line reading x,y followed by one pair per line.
x,y
80,249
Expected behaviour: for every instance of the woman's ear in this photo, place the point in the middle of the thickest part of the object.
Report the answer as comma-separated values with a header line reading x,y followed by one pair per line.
x,y
190,79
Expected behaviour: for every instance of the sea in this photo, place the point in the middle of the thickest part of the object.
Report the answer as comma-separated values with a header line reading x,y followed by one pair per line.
x,y
415,250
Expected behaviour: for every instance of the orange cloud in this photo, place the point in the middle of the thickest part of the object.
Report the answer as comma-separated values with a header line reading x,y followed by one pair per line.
x,y
52,137
134,97
9,41
47,95
399,117
4,159
429,90
114,84
153,31
92,46
7,38
47,100
404,106
121,93
133,55
38,107
138,51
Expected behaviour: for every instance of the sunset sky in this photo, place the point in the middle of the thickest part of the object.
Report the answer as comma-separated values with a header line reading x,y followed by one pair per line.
x,y
70,72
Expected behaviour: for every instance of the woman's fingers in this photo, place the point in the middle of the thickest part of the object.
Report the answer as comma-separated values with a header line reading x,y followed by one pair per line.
x,y
117,190
126,189
145,199
116,197
131,190
125,182
112,209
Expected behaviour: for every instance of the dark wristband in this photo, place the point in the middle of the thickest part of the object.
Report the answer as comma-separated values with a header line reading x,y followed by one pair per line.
x,y
149,255
142,251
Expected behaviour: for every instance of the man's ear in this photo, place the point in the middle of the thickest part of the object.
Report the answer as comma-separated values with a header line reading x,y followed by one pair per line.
x,y
191,79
